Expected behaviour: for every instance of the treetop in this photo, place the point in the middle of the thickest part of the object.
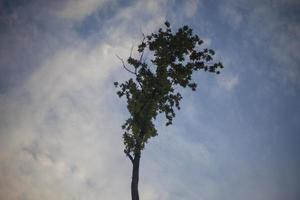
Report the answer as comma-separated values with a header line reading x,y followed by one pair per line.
x,y
175,56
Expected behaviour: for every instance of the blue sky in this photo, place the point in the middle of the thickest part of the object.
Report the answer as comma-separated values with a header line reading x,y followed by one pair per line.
x,y
237,137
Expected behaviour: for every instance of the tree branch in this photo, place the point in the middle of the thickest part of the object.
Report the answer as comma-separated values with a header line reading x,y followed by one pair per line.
x,y
124,65
128,155
142,54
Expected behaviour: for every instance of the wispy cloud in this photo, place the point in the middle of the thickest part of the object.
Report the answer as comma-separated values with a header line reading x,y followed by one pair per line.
x,y
77,10
233,17
66,129
191,7
228,82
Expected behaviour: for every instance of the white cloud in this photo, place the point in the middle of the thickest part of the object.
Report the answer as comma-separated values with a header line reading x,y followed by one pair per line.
x,y
231,15
60,140
276,35
76,10
191,7
132,20
285,52
228,82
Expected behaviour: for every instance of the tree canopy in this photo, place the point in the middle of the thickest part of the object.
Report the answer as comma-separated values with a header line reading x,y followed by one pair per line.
x,y
152,90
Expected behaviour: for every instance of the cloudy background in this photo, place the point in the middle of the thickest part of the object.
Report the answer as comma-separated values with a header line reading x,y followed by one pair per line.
x,y
236,138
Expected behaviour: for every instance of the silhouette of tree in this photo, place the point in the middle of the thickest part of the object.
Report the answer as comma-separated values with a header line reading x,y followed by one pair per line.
x,y
152,90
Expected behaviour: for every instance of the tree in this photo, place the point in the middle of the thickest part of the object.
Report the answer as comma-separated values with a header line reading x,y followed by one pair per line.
x,y
152,90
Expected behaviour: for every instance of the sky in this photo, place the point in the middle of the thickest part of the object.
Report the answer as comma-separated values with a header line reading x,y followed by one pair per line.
x,y
236,137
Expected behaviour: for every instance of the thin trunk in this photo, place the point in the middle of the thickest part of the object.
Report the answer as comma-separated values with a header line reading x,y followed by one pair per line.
x,y
135,176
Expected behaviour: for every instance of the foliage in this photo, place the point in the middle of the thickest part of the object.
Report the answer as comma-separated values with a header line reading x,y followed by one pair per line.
x,y
175,56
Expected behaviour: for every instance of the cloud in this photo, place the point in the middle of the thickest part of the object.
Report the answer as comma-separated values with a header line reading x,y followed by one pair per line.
x,y
228,82
231,15
63,145
76,10
285,51
142,17
274,38
190,8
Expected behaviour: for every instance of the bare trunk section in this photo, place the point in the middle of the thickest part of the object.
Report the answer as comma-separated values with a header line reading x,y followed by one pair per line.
x,y
135,176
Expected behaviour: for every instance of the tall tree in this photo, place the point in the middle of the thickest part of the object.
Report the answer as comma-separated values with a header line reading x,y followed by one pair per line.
x,y
152,90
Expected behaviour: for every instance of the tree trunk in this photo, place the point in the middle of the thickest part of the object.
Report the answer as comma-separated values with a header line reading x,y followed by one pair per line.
x,y
135,176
